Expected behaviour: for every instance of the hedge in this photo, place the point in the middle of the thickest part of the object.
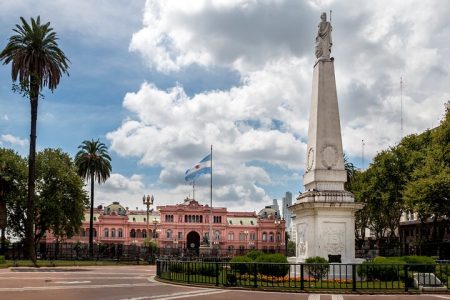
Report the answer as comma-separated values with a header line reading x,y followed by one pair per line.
x,y
272,265
391,268
318,268
242,264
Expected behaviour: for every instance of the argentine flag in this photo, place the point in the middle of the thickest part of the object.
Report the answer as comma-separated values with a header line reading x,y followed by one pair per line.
x,y
202,167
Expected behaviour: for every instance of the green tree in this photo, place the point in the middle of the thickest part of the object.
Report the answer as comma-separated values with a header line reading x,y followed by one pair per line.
x,y
427,193
60,198
358,187
36,61
94,164
380,187
12,184
350,169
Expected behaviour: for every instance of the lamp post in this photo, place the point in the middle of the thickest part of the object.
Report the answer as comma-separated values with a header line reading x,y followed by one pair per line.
x,y
148,201
277,224
154,227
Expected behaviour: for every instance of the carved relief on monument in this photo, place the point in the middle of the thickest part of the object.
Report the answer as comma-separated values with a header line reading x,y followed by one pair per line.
x,y
329,156
301,241
333,235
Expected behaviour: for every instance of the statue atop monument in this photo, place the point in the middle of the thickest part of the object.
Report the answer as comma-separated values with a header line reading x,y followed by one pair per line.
x,y
323,38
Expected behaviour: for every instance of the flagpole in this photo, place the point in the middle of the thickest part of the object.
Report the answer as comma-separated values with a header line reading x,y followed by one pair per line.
x,y
210,206
193,189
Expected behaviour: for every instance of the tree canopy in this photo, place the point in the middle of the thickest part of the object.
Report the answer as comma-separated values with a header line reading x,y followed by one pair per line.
x,y
60,199
413,175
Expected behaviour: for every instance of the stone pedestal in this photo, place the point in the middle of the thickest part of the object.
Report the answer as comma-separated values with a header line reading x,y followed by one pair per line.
x,y
325,227
205,250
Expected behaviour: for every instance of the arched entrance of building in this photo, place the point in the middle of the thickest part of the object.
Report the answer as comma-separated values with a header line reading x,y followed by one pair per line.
x,y
193,241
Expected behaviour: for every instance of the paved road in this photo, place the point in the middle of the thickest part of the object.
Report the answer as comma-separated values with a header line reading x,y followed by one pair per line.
x,y
136,283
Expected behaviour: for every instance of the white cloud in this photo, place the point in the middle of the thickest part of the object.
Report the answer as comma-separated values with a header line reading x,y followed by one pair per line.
x,y
12,140
172,130
265,118
237,33
127,190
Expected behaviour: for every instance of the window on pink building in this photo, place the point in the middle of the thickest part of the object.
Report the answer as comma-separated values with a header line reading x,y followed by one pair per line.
x,y
264,236
120,233
106,232
231,236
271,237
113,233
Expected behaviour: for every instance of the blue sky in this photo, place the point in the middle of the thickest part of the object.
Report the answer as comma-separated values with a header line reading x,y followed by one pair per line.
x,y
160,81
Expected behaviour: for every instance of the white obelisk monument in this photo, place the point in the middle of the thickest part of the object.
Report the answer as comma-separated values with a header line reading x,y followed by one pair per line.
x,y
325,212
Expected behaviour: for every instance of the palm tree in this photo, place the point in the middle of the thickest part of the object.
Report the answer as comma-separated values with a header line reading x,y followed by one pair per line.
x,y
351,171
36,61
94,164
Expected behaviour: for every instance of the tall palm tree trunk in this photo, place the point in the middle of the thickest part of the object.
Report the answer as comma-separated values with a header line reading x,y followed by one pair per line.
x,y
91,220
29,231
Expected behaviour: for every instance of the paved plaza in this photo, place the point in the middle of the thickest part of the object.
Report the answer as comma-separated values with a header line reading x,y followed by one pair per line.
x,y
136,283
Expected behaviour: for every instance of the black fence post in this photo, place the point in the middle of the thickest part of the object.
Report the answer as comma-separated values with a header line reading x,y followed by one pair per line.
x,y
157,268
255,275
302,275
353,277
217,273
405,269
188,271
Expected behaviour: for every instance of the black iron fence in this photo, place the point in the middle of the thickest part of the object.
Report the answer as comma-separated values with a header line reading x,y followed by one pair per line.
x,y
120,252
309,277
80,251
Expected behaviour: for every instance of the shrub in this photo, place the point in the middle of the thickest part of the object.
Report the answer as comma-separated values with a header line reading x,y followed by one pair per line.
x,y
317,267
254,254
2,259
272,265
425,264
391,268
242,264
382,268
443,272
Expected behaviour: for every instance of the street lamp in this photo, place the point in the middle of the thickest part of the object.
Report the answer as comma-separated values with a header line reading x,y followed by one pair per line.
x,y
154,227
148,201
278,237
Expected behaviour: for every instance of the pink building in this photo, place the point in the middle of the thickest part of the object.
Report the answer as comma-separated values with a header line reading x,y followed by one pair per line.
x,y
184,225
